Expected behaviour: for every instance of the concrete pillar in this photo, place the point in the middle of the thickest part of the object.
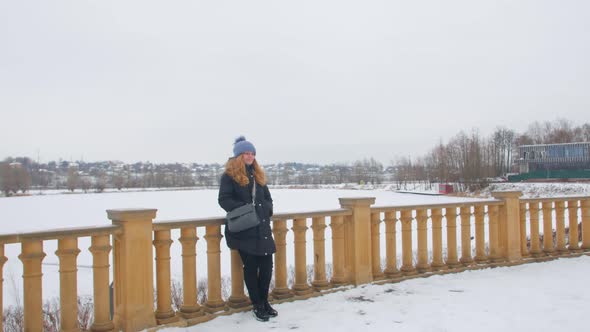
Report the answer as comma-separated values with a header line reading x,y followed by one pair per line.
x,y
134,269
238,298
100,247
422,220
162,243
391,269
281,290
574,235
301,287
480,236
67,251
452,259
376,246
535,238
31,256
213,237
560,226
493,214
3,260
547,208
437,256
585,206
510,224
465,213
338,274
318,225
407,251
190,308
524,251
357,239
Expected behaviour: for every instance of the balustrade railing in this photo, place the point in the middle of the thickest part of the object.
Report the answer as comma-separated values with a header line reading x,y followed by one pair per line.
x,y
408,240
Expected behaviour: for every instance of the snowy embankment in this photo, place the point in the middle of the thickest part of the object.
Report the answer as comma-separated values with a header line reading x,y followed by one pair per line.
x,y
550,296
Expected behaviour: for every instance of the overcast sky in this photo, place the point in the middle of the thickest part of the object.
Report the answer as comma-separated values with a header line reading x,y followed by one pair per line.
x,y
310,81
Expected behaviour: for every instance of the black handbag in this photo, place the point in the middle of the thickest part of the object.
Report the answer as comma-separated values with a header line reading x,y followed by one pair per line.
x,y
243,217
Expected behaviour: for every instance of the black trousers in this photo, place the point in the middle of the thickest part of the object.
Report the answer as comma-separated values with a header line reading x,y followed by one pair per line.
x,y
257,275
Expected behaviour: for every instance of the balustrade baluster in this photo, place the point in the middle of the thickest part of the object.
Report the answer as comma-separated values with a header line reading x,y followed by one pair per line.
x,y
337,226
493,215
523,246
391,245
560,226
162,242
376,246
301,286
422,220
31,256
318,225
238,298
100,247
451,216
407,256
547,208
3,260
574,235
585,206
281,290
213,237
67,251
437,256
466,258
480,240
190,308
535,238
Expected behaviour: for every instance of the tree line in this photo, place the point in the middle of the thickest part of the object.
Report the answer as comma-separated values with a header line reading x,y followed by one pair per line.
x,y
472,160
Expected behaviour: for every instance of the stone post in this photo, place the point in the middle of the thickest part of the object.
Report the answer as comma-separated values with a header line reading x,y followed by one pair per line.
x,y
510,224
524,251
67,251
585,206
451,216
300,287
376,246
190,308
357,239
466,258
164,312
3,260
318,226
238,298
100,248
391,245
535,238
572,209
437,257
32,255
422,220
281,290
480,244
560,226
213,237
337,226
134,269
407,247
547,208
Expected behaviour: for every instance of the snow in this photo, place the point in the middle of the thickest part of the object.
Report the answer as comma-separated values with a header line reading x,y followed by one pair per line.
x,y
549,296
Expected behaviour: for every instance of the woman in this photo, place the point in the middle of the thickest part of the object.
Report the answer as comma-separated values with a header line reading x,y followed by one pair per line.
x,y
255,244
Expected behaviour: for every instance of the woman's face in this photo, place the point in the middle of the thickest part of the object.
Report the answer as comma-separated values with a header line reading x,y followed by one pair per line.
x,y
248,157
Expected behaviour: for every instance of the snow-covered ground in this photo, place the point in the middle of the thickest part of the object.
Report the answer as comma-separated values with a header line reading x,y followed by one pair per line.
x,y
549,296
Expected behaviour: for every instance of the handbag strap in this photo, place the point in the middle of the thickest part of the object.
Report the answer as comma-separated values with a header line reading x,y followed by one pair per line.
x,y
254,192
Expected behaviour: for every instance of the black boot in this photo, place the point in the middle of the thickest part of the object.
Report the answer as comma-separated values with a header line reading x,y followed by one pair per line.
x,y
259,312
269,310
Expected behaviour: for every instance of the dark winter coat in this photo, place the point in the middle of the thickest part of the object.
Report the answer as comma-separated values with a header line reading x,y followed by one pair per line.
x,y
256,240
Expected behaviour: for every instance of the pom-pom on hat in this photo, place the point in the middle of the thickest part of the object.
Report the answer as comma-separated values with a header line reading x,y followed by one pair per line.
x,y
241,146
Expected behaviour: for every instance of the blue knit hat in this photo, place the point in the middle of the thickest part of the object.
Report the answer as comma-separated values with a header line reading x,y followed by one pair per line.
x,y
241,146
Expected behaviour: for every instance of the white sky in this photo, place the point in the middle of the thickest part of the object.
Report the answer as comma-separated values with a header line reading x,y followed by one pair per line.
x,y
311,81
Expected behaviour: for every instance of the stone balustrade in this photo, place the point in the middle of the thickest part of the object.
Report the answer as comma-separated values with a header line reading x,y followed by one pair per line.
x,y
360,242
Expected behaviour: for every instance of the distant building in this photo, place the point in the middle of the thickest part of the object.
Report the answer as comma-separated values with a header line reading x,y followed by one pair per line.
x,y
553,161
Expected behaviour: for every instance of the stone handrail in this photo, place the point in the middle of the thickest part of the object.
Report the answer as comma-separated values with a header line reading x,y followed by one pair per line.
x,y
501,226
